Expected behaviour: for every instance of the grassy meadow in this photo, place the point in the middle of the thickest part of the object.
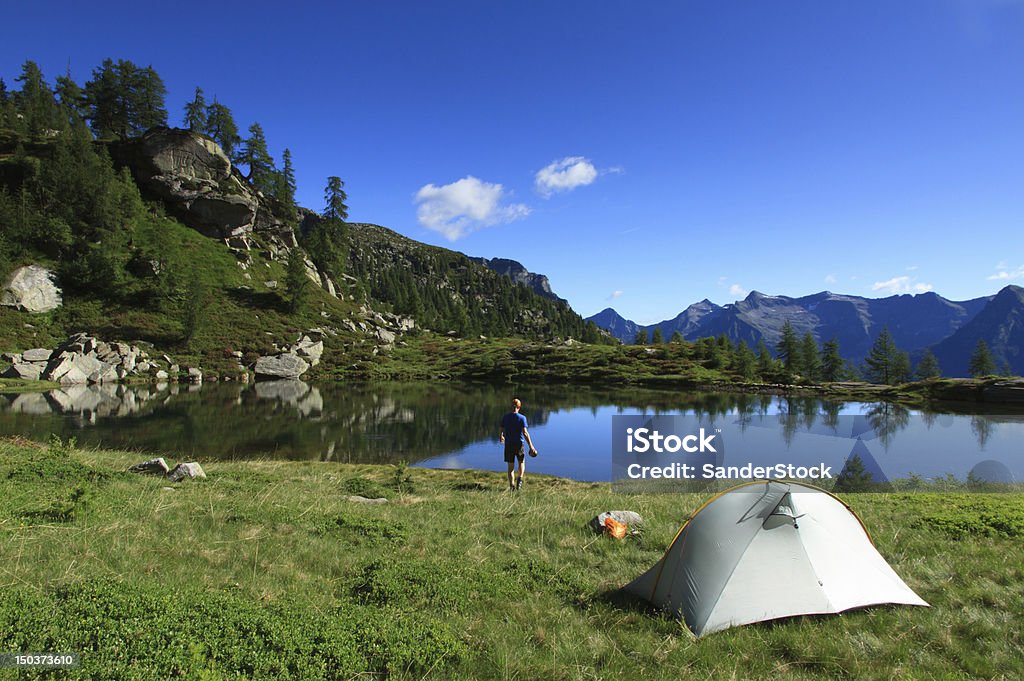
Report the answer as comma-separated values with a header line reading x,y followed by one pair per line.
x,y
266,570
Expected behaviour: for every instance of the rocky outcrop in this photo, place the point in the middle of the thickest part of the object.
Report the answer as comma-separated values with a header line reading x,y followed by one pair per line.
x,y
85,359
151,467
31,288
194,178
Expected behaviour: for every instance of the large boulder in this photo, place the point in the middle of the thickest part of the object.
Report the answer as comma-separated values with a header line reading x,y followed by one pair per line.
x,y
193,176
285,365
31,288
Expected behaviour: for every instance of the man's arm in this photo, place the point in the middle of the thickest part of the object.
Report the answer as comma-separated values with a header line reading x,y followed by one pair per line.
x,y
526,433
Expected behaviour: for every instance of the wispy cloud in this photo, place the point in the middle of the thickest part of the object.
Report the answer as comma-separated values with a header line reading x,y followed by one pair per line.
x,y
1005,273
464,206
902,284
614,295
830,279
564,174
737,290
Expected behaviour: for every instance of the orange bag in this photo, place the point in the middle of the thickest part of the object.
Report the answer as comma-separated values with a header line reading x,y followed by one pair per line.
x,y
614,528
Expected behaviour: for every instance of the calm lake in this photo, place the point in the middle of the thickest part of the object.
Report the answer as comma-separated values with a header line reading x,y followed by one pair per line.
x,y
452,425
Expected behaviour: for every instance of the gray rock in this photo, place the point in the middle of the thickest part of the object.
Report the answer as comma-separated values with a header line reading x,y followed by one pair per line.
x,y
28,371
309,350
31,288
284,365
73,367
385,336
36,355
186,471
355,499
161,375
151,467
105,374
270,284
630,518
195,375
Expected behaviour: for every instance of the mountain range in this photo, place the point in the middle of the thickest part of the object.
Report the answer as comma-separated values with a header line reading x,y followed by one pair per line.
x,y
951,329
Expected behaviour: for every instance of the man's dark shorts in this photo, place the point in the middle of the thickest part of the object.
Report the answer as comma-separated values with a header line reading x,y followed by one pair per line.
x,y
514,450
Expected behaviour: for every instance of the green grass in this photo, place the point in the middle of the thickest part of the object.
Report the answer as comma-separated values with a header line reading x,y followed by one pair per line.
x,y
265,570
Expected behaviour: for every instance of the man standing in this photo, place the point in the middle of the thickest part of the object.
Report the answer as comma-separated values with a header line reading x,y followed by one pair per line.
x,y
514,436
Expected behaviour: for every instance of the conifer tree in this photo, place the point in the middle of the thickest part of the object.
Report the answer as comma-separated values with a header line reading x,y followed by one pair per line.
x,y
35,100
221,128
296,282
284,190
765,363
641,337
885,362
335,197
788,349
71,99
657,338
195,112
123,100
745,363
810,362
928,366
254,155
677,338
832,365
982,363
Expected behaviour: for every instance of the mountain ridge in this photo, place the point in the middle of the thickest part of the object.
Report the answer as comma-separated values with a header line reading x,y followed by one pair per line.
x,y
917,322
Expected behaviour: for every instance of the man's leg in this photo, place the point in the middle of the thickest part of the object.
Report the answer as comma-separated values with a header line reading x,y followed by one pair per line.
x,y
511,478
522,472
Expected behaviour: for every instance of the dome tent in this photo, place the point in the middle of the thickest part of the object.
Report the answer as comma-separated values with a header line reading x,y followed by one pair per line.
x,y
764,550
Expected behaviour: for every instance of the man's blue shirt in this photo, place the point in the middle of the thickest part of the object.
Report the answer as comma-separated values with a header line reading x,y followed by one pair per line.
x,y
513,425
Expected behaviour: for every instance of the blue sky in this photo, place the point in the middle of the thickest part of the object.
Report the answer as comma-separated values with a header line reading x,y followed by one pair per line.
x,y
642,155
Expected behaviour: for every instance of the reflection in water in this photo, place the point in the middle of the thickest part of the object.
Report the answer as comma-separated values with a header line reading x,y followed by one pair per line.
x,y
456,425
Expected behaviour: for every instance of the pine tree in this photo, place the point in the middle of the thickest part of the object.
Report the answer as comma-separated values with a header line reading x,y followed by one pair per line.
x,y
657,338
885,363
788,349
745,364
296,282
72,102
35,100
255,156
810,361
676,339
335,196
982,363
928,367
284,189
641,337
765,363
221,128
123,100
195,112
832,365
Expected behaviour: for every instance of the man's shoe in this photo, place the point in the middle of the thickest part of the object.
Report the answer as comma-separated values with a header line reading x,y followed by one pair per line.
x,y
519,484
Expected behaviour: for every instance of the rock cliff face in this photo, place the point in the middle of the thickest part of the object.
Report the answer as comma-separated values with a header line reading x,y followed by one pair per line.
x,y
514,270
194,178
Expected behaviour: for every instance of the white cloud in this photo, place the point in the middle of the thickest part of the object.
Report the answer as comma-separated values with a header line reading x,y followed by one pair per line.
x,y
912,268
564,175
614,295
465,206
901,285
830,279
737,290
1004,273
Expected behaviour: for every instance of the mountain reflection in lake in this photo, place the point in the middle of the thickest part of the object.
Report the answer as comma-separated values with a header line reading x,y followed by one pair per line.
x,y
455,425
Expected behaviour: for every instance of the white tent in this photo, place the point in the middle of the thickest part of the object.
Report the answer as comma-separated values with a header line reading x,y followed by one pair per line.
x,y
765,550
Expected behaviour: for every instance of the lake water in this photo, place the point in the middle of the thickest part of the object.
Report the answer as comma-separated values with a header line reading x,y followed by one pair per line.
x,y
450,425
